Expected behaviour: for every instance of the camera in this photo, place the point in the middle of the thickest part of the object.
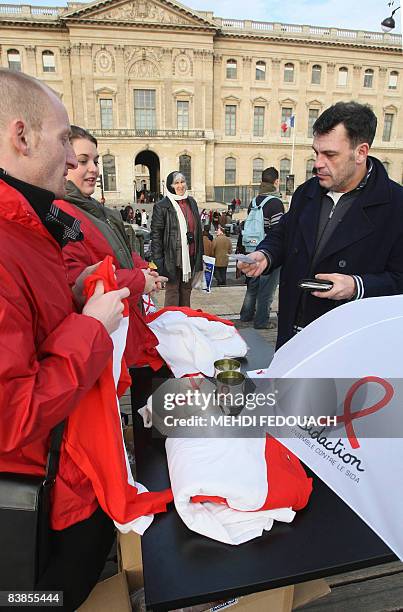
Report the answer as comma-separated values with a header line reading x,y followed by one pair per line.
x,y
190,237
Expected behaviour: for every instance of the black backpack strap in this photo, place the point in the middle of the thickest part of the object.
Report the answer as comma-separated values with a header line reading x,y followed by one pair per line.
x,y
54,453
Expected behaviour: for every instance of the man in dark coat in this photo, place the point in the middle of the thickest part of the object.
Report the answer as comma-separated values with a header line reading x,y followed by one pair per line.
x,y
344,225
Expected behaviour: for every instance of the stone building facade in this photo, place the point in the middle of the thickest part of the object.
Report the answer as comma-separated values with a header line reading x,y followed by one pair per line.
x,y
162,86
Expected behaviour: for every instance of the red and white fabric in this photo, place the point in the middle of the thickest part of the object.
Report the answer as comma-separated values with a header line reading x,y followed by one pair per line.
x,y
233,489
148,304
190,341
93,440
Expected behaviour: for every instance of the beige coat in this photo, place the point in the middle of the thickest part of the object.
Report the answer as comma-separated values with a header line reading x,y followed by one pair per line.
x,y
222,247
208,246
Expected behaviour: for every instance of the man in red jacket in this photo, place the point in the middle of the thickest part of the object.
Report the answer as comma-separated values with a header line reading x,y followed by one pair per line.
x,y
51,352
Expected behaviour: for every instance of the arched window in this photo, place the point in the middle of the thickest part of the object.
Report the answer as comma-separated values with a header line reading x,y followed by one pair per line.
x,y
185,166
369,78
48,61
309,168
230,171
289,73
343,77
14,60
109,170
284,172
316,74
231,69
393,77
386,165
257,170
260,71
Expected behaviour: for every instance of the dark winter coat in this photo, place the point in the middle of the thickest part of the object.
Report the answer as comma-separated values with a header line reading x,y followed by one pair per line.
x,y
165,238
368,242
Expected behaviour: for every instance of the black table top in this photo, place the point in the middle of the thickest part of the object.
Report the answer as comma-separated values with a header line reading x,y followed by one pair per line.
x,y
182,568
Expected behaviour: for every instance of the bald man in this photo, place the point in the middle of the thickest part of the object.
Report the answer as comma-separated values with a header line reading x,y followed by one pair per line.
x,y
51,351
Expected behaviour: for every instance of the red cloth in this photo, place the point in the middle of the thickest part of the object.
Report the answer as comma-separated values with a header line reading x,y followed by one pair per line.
x,y
189,312
141,342
50,356
93,440
288,485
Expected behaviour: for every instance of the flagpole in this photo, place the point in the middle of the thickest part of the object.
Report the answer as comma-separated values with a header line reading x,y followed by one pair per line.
x,y
293,146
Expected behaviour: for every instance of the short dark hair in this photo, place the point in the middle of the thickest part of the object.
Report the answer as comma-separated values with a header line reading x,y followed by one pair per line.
x,y
269,175
78,133
359,121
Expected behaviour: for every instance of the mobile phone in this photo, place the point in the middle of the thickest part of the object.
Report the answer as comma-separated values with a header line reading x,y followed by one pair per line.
x,y
314,284
244,258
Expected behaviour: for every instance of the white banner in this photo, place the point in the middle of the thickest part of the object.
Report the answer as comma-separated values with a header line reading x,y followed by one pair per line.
x,y
361,459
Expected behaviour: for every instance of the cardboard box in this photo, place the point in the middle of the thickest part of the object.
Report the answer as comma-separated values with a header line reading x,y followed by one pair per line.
x,y
305,592
278,600
130,560
109,595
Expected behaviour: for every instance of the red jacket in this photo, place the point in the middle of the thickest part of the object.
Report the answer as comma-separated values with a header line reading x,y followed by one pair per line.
x,y
141,342
50,356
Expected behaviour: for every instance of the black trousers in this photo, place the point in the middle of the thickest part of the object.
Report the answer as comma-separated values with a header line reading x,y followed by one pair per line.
x,y
78,556
220,272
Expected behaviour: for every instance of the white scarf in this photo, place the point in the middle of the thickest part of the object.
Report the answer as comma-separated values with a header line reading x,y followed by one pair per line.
x,y
183,228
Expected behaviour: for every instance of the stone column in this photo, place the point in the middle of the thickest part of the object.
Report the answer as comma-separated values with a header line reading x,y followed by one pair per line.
x,y
76,85
67,82
31,67
301,110
167,102
209,89
275,106
331,83
88,85
245,119
121,87
218,111
199,100
357,82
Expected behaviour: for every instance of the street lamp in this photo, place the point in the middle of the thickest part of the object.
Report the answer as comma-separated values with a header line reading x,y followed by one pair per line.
x,y
389,24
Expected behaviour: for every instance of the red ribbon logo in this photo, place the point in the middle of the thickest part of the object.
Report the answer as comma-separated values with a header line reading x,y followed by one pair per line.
x,y
348,417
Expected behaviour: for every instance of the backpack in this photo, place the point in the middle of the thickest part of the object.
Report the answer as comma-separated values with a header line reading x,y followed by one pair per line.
x,y
253,232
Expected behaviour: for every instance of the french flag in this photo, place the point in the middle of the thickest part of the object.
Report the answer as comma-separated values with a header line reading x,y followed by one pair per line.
x,y
288,123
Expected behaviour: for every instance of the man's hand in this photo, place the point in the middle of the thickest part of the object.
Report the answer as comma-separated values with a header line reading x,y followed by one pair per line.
x,y
106,307
78,286
154,282
343,287
254,269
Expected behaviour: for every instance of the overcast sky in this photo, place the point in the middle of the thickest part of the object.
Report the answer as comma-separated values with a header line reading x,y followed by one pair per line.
x,y
355,14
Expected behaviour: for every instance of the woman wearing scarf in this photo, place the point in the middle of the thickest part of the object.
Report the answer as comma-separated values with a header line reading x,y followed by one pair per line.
x,y
176,240
104,234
